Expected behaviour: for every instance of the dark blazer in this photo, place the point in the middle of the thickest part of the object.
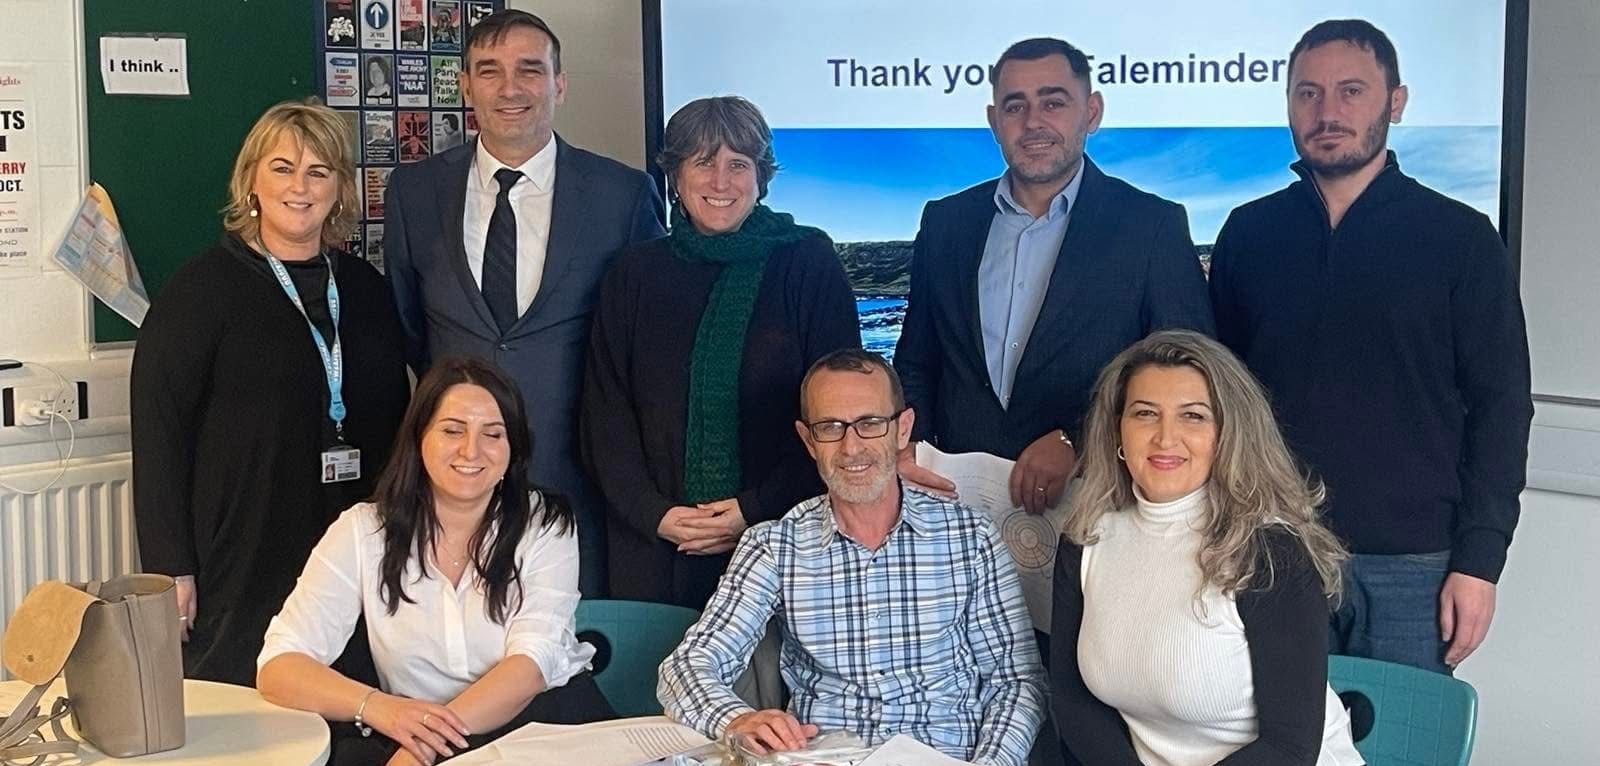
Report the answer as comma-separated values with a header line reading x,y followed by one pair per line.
x,y
600,205
1126,268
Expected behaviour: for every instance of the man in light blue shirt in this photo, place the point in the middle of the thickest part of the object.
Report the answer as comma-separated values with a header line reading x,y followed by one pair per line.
x,y
1014,273
901,613
1071,266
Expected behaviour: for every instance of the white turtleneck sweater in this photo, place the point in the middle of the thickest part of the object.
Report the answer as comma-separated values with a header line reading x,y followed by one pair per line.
x,y
1182,672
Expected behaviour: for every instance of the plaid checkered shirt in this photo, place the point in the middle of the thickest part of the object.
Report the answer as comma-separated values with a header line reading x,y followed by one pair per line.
x,y
926,636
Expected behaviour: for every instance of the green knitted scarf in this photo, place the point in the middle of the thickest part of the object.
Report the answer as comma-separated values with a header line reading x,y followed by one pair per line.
x,y
711,436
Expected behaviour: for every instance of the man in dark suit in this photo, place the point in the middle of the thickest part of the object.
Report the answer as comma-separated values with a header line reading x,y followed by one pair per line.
x,y
495,249
1023,287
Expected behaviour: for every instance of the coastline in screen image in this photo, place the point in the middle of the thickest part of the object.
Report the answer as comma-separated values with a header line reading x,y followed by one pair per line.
x,y
886,177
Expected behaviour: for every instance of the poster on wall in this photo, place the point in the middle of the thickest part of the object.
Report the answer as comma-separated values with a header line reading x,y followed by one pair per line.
x,y
416,136
377,133
446,81
444,20
413,23
392,70
377,24
343,80
447,133
19,174
378,71
411,81
339,24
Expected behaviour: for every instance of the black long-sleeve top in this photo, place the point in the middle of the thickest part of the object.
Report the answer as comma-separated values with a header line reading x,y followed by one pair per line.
x,y
636,393
1285,624
1396,355
229,420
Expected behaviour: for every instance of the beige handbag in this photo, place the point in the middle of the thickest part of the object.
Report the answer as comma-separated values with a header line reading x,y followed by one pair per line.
x,y
118,643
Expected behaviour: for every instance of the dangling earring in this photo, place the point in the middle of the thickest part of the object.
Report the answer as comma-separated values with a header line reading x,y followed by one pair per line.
x,y
1120,456
255,205
338,208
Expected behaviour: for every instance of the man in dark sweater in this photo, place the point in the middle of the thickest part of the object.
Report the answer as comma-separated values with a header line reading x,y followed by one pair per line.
x,y
1384,319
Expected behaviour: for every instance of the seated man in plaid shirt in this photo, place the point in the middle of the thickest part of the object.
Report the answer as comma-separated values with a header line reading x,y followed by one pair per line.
x,y
901,612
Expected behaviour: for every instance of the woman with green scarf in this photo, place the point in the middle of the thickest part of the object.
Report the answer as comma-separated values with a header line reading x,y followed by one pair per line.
x,y
700,340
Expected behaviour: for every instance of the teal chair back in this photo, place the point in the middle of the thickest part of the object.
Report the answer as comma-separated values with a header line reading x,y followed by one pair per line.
x,y
631,638
1403,716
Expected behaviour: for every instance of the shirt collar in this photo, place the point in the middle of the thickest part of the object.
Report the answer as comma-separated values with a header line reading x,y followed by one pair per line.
x,y
912,515
1060,205
539,169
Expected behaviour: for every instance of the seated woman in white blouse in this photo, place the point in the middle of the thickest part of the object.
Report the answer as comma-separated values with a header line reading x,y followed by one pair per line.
x,y
1192,586
467,579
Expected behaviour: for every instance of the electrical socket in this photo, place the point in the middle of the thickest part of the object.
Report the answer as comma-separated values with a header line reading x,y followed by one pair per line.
x,y
34,404
67,403
38,405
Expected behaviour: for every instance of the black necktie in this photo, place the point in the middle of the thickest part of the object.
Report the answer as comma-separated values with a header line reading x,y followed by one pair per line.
x,y
500,254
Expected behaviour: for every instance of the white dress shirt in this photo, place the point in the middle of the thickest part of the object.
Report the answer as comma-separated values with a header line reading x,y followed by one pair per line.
x,y
530,201
435,648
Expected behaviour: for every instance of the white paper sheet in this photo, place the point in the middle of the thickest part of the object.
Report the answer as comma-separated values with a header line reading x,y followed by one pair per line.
x,y
902,750
145,65
983,483
626,742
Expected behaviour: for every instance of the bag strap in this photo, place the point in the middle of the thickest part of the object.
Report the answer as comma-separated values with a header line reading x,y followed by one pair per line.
x,y
19,730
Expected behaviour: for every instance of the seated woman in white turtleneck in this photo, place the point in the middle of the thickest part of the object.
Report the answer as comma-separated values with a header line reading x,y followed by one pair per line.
x,y
1193,582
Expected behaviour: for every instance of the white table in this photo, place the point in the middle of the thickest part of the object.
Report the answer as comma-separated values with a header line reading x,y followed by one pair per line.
x,y
224,724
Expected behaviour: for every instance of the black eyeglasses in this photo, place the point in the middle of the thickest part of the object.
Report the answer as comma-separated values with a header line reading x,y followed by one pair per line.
x,y
866,427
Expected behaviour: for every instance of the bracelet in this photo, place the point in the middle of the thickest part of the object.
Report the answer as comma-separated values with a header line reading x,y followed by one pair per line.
x,y
361,726
1064,439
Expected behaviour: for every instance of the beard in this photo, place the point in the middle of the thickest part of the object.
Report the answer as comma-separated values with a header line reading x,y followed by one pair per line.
x,y
862,488
1373,142
1048,171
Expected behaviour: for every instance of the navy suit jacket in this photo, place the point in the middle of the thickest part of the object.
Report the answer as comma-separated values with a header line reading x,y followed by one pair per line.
x,y
599,206
1126,268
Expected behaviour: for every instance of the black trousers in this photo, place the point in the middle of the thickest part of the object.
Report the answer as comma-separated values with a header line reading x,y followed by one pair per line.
x,y
578,701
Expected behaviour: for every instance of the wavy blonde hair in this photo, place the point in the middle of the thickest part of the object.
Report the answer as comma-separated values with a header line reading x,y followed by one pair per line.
x,y
1254,484
314,127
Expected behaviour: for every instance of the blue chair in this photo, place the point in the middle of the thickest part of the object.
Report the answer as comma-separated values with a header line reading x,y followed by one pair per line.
x,y
631,638
1403,716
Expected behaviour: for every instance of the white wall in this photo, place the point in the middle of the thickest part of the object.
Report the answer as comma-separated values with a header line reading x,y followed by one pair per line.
x,y
43,311
601,43
1537,672
1560,261
44,314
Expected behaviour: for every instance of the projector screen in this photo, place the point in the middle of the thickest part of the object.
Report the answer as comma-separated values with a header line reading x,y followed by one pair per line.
x,y
878,107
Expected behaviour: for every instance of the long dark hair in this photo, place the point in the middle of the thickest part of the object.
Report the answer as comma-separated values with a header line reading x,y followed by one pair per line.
x,y
404,495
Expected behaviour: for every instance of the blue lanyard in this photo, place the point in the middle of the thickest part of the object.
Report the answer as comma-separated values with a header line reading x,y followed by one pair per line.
x,y
332,360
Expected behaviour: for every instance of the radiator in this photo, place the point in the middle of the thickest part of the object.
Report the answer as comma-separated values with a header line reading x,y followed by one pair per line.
x,y
80,529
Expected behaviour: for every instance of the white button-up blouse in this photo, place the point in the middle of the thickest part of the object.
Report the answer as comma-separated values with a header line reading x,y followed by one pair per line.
x,y
434,648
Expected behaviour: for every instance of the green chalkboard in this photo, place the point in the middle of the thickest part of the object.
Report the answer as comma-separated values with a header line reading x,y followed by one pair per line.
x,y
165,161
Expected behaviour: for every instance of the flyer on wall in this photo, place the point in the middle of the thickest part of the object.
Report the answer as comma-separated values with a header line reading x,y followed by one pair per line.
x,y
339,24
446,81
411,81
19,180
378,131
377,24
94,252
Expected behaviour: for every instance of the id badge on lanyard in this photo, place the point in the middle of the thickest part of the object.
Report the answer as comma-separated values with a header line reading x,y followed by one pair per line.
x,y
340,462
